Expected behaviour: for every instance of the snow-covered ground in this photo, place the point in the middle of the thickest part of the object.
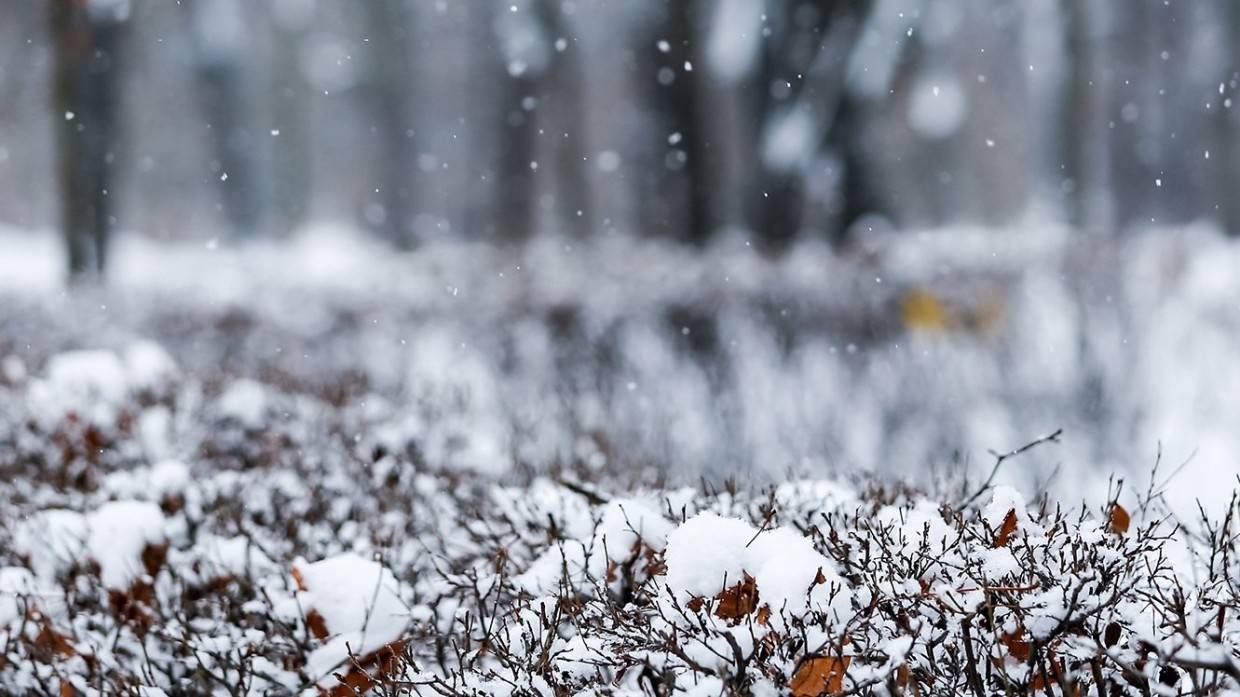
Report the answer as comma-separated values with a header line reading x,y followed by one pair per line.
x,y
903,354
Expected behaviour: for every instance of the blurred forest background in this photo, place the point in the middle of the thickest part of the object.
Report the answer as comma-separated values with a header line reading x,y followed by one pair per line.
x,y
706,236
425,119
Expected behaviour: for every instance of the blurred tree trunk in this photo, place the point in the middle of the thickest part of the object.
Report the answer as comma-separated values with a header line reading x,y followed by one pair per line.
x,y
221,41
1133,141
677,197
806,104
543,113
290,156
563,95
1078,107
516,205
87,39
1227,120
387,23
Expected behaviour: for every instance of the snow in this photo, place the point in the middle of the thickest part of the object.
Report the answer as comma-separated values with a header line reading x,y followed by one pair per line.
x,y
17,584
1157,349
93,380
522,39
360,603
148,366
154,483
708,553
626,526
705,554
118,533
244,401
155,430
53,539
114,536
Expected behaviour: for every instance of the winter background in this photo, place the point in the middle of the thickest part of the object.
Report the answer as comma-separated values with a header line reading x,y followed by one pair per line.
x,y
677,240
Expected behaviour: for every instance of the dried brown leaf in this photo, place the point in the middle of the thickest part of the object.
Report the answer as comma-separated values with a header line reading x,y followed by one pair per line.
x,y
738,600
818,676
1006,530
1119,519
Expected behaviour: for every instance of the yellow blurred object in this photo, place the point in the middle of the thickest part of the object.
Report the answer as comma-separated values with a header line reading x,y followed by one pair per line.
x,y
923,312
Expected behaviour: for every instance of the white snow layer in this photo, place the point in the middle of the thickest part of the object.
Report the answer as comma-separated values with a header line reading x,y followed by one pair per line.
x,y
360,603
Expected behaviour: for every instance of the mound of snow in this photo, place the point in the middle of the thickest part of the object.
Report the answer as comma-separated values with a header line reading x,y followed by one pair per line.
x,y
709,553
94,384
91,384
16,584
52,539
162,479
244,401
119,533
149,366
360,604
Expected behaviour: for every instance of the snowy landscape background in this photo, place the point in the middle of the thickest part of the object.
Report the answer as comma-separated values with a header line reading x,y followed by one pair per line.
x,y
709,239
619,347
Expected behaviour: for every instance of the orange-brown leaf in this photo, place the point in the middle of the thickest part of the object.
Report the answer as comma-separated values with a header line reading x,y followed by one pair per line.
x,y
299,580
738,601
818,676
1119,519
50,643
317,625
764,615
1016,645
1006,530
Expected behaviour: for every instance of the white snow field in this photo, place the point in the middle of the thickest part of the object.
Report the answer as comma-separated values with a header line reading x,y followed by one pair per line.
x,y
906,354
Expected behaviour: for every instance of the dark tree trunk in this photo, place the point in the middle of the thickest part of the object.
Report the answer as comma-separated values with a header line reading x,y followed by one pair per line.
x,y
541,149
290,155
516,181
563,99
220,73
1227,125
1080,187
392,124
810,61
677,200
86,102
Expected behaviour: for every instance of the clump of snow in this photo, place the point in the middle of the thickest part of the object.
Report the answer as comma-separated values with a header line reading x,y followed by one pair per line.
x,y
233,557
155,430
95,384
244,401
90,383
626,527
709,553
52,539
706,553
360,603
16,586
118,534
12,369
149,366
166,478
